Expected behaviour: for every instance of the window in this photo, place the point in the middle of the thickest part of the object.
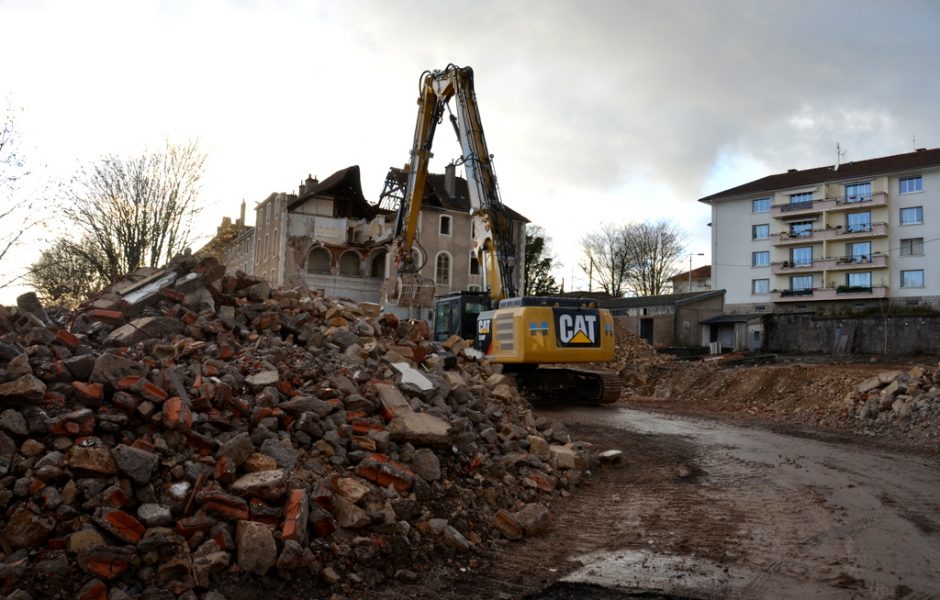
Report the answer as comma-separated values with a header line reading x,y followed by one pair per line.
x,y
474,264
760,205
267,244
912,215
760,286
267,213
377,269
319,261
275,242
856,222
912,279
909,185
801,229
442,269
862,279
912,246
858,192
859,252
277,206
445,225
760,232
801,282
801,256
760,259
258,251
801,197
349,264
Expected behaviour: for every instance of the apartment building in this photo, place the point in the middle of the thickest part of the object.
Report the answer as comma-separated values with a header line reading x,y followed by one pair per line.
x,y
835,238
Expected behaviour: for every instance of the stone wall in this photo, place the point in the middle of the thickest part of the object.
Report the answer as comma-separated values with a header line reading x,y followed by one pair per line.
x,y
810,333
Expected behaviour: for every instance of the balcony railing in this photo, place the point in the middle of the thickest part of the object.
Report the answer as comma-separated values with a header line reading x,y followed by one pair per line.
x,y
827,204
837,293
785,238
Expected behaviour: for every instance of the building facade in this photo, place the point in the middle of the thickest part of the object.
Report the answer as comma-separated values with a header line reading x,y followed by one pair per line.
x,y
831,239
329,238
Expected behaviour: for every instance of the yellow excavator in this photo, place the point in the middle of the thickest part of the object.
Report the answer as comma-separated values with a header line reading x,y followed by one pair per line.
x,y
532,336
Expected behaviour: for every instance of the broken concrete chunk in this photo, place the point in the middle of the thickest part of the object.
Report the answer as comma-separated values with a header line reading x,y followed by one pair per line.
x,y
257,550
270,485
412,377
22,390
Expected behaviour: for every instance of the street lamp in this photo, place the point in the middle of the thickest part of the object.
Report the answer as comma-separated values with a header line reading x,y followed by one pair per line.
x,y
690,267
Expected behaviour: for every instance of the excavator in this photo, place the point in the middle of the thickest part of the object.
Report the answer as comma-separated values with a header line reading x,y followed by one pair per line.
x,y
533,337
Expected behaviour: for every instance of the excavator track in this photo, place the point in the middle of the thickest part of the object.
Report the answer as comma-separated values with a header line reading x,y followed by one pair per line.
x,y
555,385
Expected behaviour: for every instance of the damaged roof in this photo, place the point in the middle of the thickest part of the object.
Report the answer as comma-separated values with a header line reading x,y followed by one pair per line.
x,y
896,163
344,187
436,195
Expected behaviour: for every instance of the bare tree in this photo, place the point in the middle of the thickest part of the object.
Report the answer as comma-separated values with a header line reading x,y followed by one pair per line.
x,y
62,276
605,259
538,263
16,213
637,258
653,249
135,212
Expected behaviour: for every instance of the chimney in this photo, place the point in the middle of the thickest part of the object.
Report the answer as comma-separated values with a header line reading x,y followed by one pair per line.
x,y
241,215
450,180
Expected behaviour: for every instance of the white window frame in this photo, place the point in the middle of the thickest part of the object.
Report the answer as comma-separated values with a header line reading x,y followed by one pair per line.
x,y
800,197
754,235
856,197
911,208
450,268
756,208
450,226
473,257
912,271
919,187
793,278
850,275
275,242
760,253
760,283
912,244
793,252
267,212
858,228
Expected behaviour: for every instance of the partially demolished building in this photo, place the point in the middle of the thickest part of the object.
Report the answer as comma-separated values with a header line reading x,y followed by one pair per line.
x,y
328,237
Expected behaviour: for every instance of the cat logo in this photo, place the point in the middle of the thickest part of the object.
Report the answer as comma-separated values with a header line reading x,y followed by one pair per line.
x,y
483,326
576,328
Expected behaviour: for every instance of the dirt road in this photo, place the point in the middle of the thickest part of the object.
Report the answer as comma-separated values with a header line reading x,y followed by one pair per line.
x,y
702,509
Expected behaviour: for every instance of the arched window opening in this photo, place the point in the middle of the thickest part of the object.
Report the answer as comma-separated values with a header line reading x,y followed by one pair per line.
x,y
442,269
377,268
319,261
349,264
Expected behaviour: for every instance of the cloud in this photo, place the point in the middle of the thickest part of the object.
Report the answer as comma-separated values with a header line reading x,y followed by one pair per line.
x,y
596,111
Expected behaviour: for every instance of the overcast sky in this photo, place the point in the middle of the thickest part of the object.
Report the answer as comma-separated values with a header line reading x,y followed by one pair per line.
x,y
596,111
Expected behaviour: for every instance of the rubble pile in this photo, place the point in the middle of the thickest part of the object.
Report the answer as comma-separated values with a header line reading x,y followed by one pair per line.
x,y
906,399
637,363
188,426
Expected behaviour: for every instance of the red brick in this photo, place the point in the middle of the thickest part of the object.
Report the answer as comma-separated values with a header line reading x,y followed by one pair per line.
x,y
295,517
93,590
89,391
187,526
382,470
177,415
173,295
67,338
124,526
111,317
226,511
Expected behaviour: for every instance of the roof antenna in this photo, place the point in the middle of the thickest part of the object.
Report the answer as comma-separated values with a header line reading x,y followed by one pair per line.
x,y
839,154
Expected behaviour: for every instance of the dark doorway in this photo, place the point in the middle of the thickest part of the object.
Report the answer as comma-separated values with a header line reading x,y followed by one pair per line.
x,y
646,330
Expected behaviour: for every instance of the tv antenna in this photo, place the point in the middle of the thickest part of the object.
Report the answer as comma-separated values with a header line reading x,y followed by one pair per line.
x,y
839,154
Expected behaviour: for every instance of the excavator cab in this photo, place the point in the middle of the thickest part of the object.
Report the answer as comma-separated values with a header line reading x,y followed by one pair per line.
x,y
456,314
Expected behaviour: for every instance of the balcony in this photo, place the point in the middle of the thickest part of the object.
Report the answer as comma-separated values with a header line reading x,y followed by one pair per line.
x,y
845,204
839,293
814,207
850,263
828,234
789,268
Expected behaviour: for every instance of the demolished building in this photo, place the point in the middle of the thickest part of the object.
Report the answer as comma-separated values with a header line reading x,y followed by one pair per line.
x,y
329,238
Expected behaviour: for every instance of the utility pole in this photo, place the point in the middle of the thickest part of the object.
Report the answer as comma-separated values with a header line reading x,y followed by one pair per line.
x,y
690,267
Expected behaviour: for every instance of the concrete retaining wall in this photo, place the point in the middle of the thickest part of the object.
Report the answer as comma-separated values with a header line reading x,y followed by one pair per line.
x,y
810,333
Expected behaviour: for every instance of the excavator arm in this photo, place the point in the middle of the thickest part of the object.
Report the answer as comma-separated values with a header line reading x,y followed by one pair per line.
x,y
492,233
